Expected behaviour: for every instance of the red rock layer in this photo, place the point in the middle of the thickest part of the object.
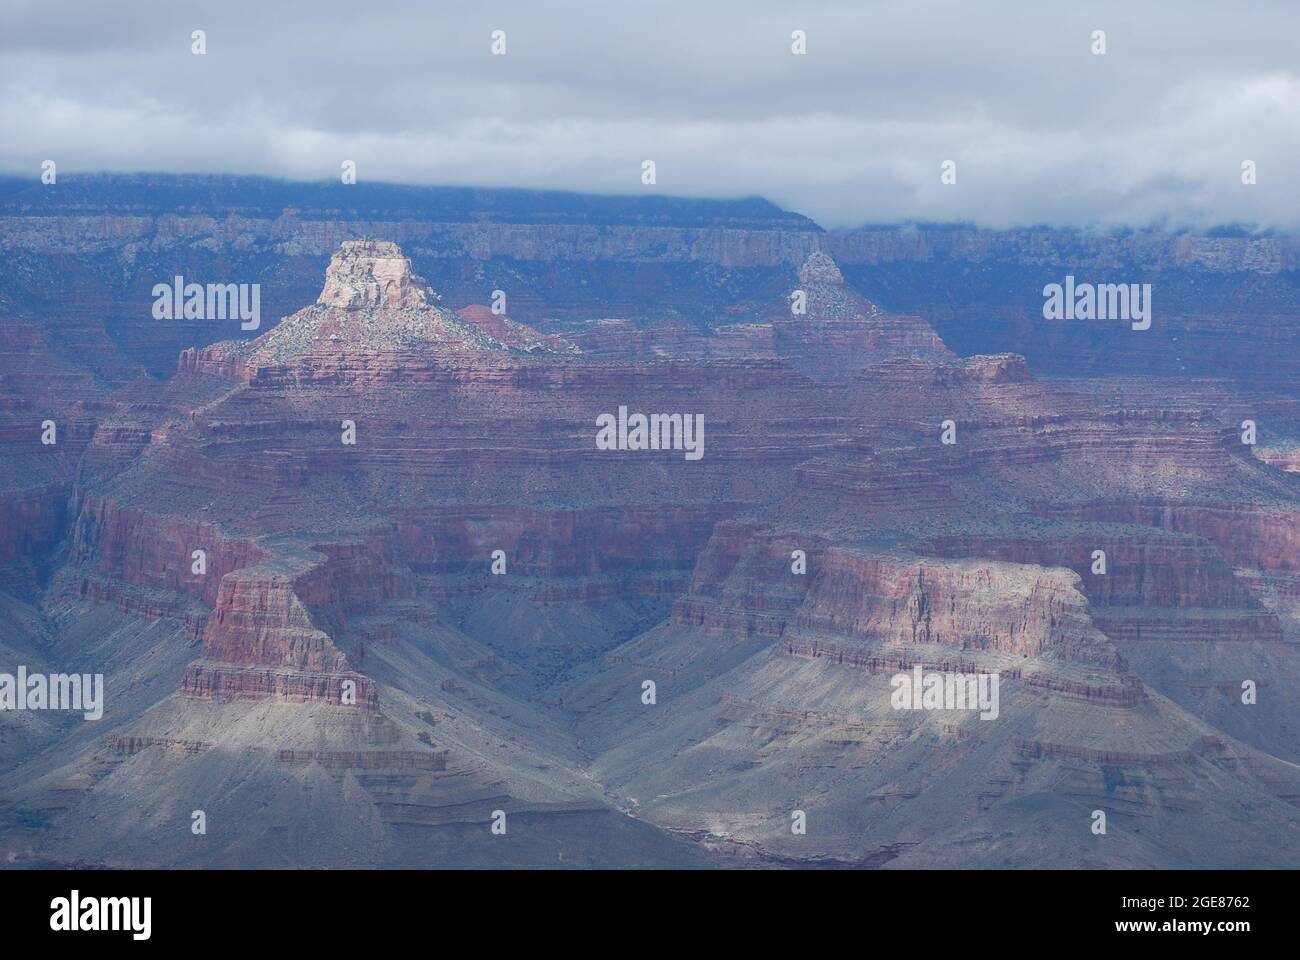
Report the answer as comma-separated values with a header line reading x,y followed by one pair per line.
x,y
744,585
223,681
1264,537
1156,587
1142,569
139,546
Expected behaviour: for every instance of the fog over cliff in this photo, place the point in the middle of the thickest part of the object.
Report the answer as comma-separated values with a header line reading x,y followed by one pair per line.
x,y
1042,129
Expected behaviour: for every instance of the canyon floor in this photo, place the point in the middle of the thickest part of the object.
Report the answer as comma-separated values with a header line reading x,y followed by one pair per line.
x,y
366,593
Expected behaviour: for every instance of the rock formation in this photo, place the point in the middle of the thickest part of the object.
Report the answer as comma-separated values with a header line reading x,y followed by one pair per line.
x,y
450,606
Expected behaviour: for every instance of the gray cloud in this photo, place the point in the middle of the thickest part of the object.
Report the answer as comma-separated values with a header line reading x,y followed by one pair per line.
x,y
1041,130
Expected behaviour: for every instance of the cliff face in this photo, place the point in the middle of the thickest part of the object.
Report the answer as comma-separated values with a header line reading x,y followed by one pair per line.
x,y
132,545
852,599
1249,535
259,619
261,641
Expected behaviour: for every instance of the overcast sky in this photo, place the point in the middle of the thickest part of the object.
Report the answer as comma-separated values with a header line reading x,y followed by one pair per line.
x,y
1041,129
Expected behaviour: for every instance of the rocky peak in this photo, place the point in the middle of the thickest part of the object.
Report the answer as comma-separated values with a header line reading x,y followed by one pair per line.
x,y
372,302
373,274
820,268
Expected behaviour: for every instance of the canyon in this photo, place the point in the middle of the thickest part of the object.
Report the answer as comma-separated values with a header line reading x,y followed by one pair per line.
x,y
363,577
